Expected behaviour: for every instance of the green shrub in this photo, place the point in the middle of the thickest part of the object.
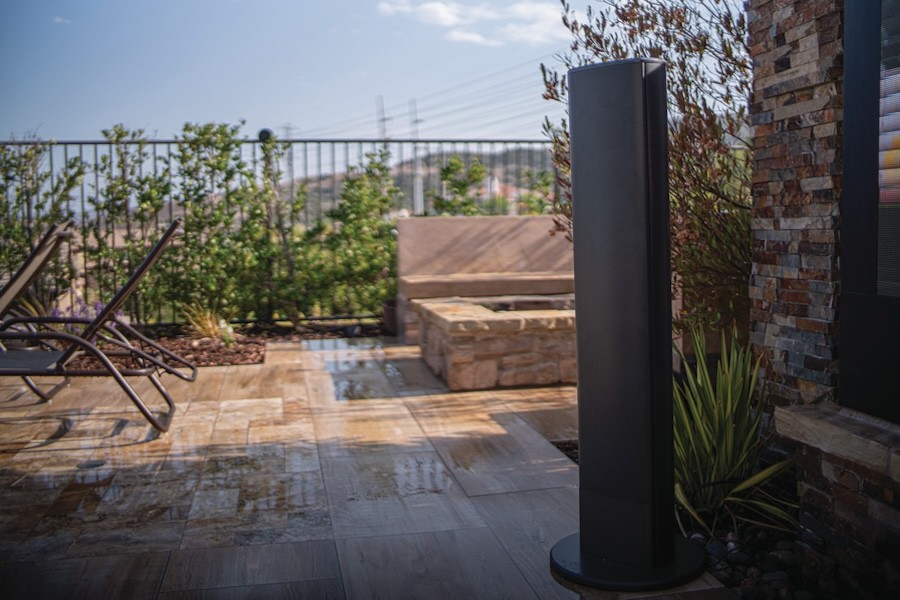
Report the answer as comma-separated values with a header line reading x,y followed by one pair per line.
x,y
538,200
219,205
32,198
719,445
122,195
361,241
244,254
458,180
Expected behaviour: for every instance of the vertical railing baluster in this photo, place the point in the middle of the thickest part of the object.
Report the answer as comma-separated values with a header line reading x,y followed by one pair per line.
x,y
291,174
82,272
334,180
306,182
319,178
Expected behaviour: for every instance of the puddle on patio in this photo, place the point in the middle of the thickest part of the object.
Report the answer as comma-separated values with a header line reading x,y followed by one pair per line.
x,y
349,389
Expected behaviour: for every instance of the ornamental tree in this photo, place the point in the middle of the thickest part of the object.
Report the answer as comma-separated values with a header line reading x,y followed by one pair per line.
x,y
704,43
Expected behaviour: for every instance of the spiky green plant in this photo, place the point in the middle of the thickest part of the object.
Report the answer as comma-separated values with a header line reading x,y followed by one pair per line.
x,y
719,443
206,322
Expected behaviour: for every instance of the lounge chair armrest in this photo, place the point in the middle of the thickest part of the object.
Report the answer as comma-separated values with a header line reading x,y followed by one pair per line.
x,y
114,328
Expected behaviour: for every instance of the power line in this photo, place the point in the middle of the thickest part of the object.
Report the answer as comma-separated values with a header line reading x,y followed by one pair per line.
x,y
489,75
482,110
500,89
486,121
361,120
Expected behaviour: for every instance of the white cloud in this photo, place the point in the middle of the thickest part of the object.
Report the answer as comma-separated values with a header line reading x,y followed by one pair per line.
x,y
530,11
471,37
534,23
531,22
394,8
61,21
445,14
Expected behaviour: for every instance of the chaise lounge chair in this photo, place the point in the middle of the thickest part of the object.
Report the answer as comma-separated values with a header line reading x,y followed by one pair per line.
x,y
117,349
21,280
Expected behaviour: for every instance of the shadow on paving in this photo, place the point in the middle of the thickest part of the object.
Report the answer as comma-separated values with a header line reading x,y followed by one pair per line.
x,y
275,481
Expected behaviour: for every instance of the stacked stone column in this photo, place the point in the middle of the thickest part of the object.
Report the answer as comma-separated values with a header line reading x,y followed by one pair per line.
x,y
796,112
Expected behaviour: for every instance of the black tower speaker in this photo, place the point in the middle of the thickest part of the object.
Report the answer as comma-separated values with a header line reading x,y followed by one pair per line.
x,y
620,196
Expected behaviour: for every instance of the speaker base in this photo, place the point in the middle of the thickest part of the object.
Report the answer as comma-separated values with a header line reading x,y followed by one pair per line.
x,y
568,561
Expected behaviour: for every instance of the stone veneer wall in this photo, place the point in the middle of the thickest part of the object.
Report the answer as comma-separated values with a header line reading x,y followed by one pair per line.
x,y
848,480
848,485
796,114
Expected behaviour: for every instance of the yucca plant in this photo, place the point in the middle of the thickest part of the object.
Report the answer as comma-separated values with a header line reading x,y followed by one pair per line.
x,y
719,443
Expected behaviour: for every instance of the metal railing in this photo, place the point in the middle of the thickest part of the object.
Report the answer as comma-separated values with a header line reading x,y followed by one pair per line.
x,y
317,166
322,165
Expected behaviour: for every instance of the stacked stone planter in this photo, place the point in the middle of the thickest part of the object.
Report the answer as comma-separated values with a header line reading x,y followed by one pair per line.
x,y
475,348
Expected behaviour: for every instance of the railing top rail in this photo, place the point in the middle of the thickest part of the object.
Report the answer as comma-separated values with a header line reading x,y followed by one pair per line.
x,y
290,140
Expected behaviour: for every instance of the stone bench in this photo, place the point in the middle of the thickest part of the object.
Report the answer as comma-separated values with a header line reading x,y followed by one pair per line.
x,y
441,257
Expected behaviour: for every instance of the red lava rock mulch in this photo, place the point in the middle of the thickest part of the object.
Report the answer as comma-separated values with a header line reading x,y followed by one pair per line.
x,y
206,352
247,349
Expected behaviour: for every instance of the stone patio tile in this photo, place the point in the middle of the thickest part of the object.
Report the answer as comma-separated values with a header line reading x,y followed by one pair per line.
x,y
214,568
287,479
129,576
466,563
360,428
130,539
371,493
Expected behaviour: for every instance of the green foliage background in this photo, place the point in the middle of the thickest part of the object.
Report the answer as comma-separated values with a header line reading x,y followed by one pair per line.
x,y
244,253
461,193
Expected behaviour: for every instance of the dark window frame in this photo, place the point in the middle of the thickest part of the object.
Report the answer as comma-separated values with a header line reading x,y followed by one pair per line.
x,y
869,323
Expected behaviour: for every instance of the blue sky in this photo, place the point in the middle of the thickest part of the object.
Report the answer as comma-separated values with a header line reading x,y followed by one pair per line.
x,y
71,68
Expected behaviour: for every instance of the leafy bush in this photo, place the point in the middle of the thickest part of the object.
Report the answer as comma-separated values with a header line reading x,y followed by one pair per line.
x,y
123,195
718,443
244,254
538,200
361,242
346,265
458,180
222,218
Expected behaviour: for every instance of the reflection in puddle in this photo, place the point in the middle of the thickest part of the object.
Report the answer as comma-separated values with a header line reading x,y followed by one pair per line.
x,y
356,390
91,464
403,477
392,372
342,344
347,365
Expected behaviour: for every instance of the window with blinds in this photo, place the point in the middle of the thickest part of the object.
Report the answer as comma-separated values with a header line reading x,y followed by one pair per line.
x,y
888,273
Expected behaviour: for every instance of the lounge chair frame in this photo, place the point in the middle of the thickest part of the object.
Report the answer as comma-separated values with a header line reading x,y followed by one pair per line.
x,y
34,264
58,348
21,280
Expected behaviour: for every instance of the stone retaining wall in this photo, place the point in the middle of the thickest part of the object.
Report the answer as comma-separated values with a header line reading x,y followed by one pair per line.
x,y
474,348
848,481
439,257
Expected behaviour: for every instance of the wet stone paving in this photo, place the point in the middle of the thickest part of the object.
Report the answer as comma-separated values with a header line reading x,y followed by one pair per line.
x,y
335,469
